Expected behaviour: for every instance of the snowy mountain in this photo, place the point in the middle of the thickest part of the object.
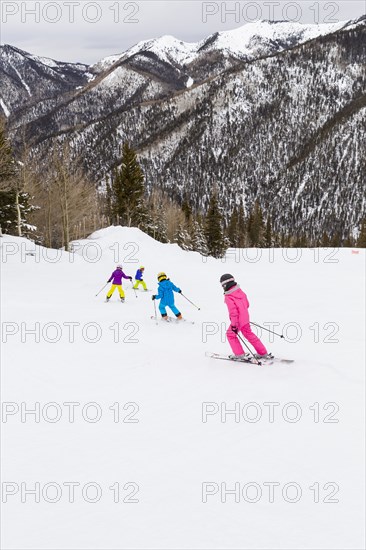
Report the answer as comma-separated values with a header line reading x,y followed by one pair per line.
x,y
248,42
127,404
273,112
26,79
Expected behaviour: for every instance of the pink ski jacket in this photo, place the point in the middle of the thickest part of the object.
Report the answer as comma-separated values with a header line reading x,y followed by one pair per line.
x,y
237,304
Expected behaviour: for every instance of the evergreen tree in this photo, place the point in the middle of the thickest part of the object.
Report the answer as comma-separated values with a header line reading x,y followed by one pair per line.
x,y
336,240
198,239
256,228
9,220
299,241
7,174
349,242
14,202
242,228
233,232
157,228
361,241
182,237
216,242
127,191
187,209
157,225
325,241
7,164
109,211
268,238
285,241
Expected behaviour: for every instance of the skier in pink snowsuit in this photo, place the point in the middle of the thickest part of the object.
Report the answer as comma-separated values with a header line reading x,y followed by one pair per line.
x,y
237,303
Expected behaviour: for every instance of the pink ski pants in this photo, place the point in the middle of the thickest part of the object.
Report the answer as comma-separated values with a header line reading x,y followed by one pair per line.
x,y
248,335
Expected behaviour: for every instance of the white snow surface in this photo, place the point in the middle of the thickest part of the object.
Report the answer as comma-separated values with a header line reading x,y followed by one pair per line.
x,y
239,42
167,48
170,452
4,107
44,60
22,81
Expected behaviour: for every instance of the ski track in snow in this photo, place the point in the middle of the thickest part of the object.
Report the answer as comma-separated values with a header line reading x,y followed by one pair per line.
x,y
170,452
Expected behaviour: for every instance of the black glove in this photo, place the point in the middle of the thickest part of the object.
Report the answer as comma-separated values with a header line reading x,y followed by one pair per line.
x,y
130,278
234,329
108,282
179,292
153,297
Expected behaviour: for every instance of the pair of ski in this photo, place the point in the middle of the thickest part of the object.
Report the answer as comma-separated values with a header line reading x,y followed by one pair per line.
x,y
141,289
250,360
171,320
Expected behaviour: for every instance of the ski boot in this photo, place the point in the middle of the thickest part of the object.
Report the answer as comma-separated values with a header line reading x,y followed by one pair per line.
x,y
122,300
265,356
241,357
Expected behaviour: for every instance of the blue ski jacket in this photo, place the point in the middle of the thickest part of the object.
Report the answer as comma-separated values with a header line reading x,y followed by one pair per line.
x,y
165,292
139,276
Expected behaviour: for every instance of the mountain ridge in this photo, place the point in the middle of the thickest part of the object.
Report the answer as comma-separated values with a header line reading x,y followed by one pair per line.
x,y
221,129
229,44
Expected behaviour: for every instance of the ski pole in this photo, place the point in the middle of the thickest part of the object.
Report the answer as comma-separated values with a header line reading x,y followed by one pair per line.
x,y
133,288
102,289
188,300
156,317
264,328
248,348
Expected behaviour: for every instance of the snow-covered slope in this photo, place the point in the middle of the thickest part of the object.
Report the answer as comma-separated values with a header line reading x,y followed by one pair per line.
x,y
170,452
167,48
27,78
264,37
245,42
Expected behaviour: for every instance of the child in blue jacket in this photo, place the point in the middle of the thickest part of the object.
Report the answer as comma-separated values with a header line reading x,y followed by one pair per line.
x,y
166,296
139,278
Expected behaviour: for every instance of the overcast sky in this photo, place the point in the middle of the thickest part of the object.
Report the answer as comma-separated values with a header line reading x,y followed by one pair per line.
x,y
86,31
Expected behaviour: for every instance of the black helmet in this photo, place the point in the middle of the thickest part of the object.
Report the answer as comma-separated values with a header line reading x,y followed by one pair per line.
x,y
227,281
